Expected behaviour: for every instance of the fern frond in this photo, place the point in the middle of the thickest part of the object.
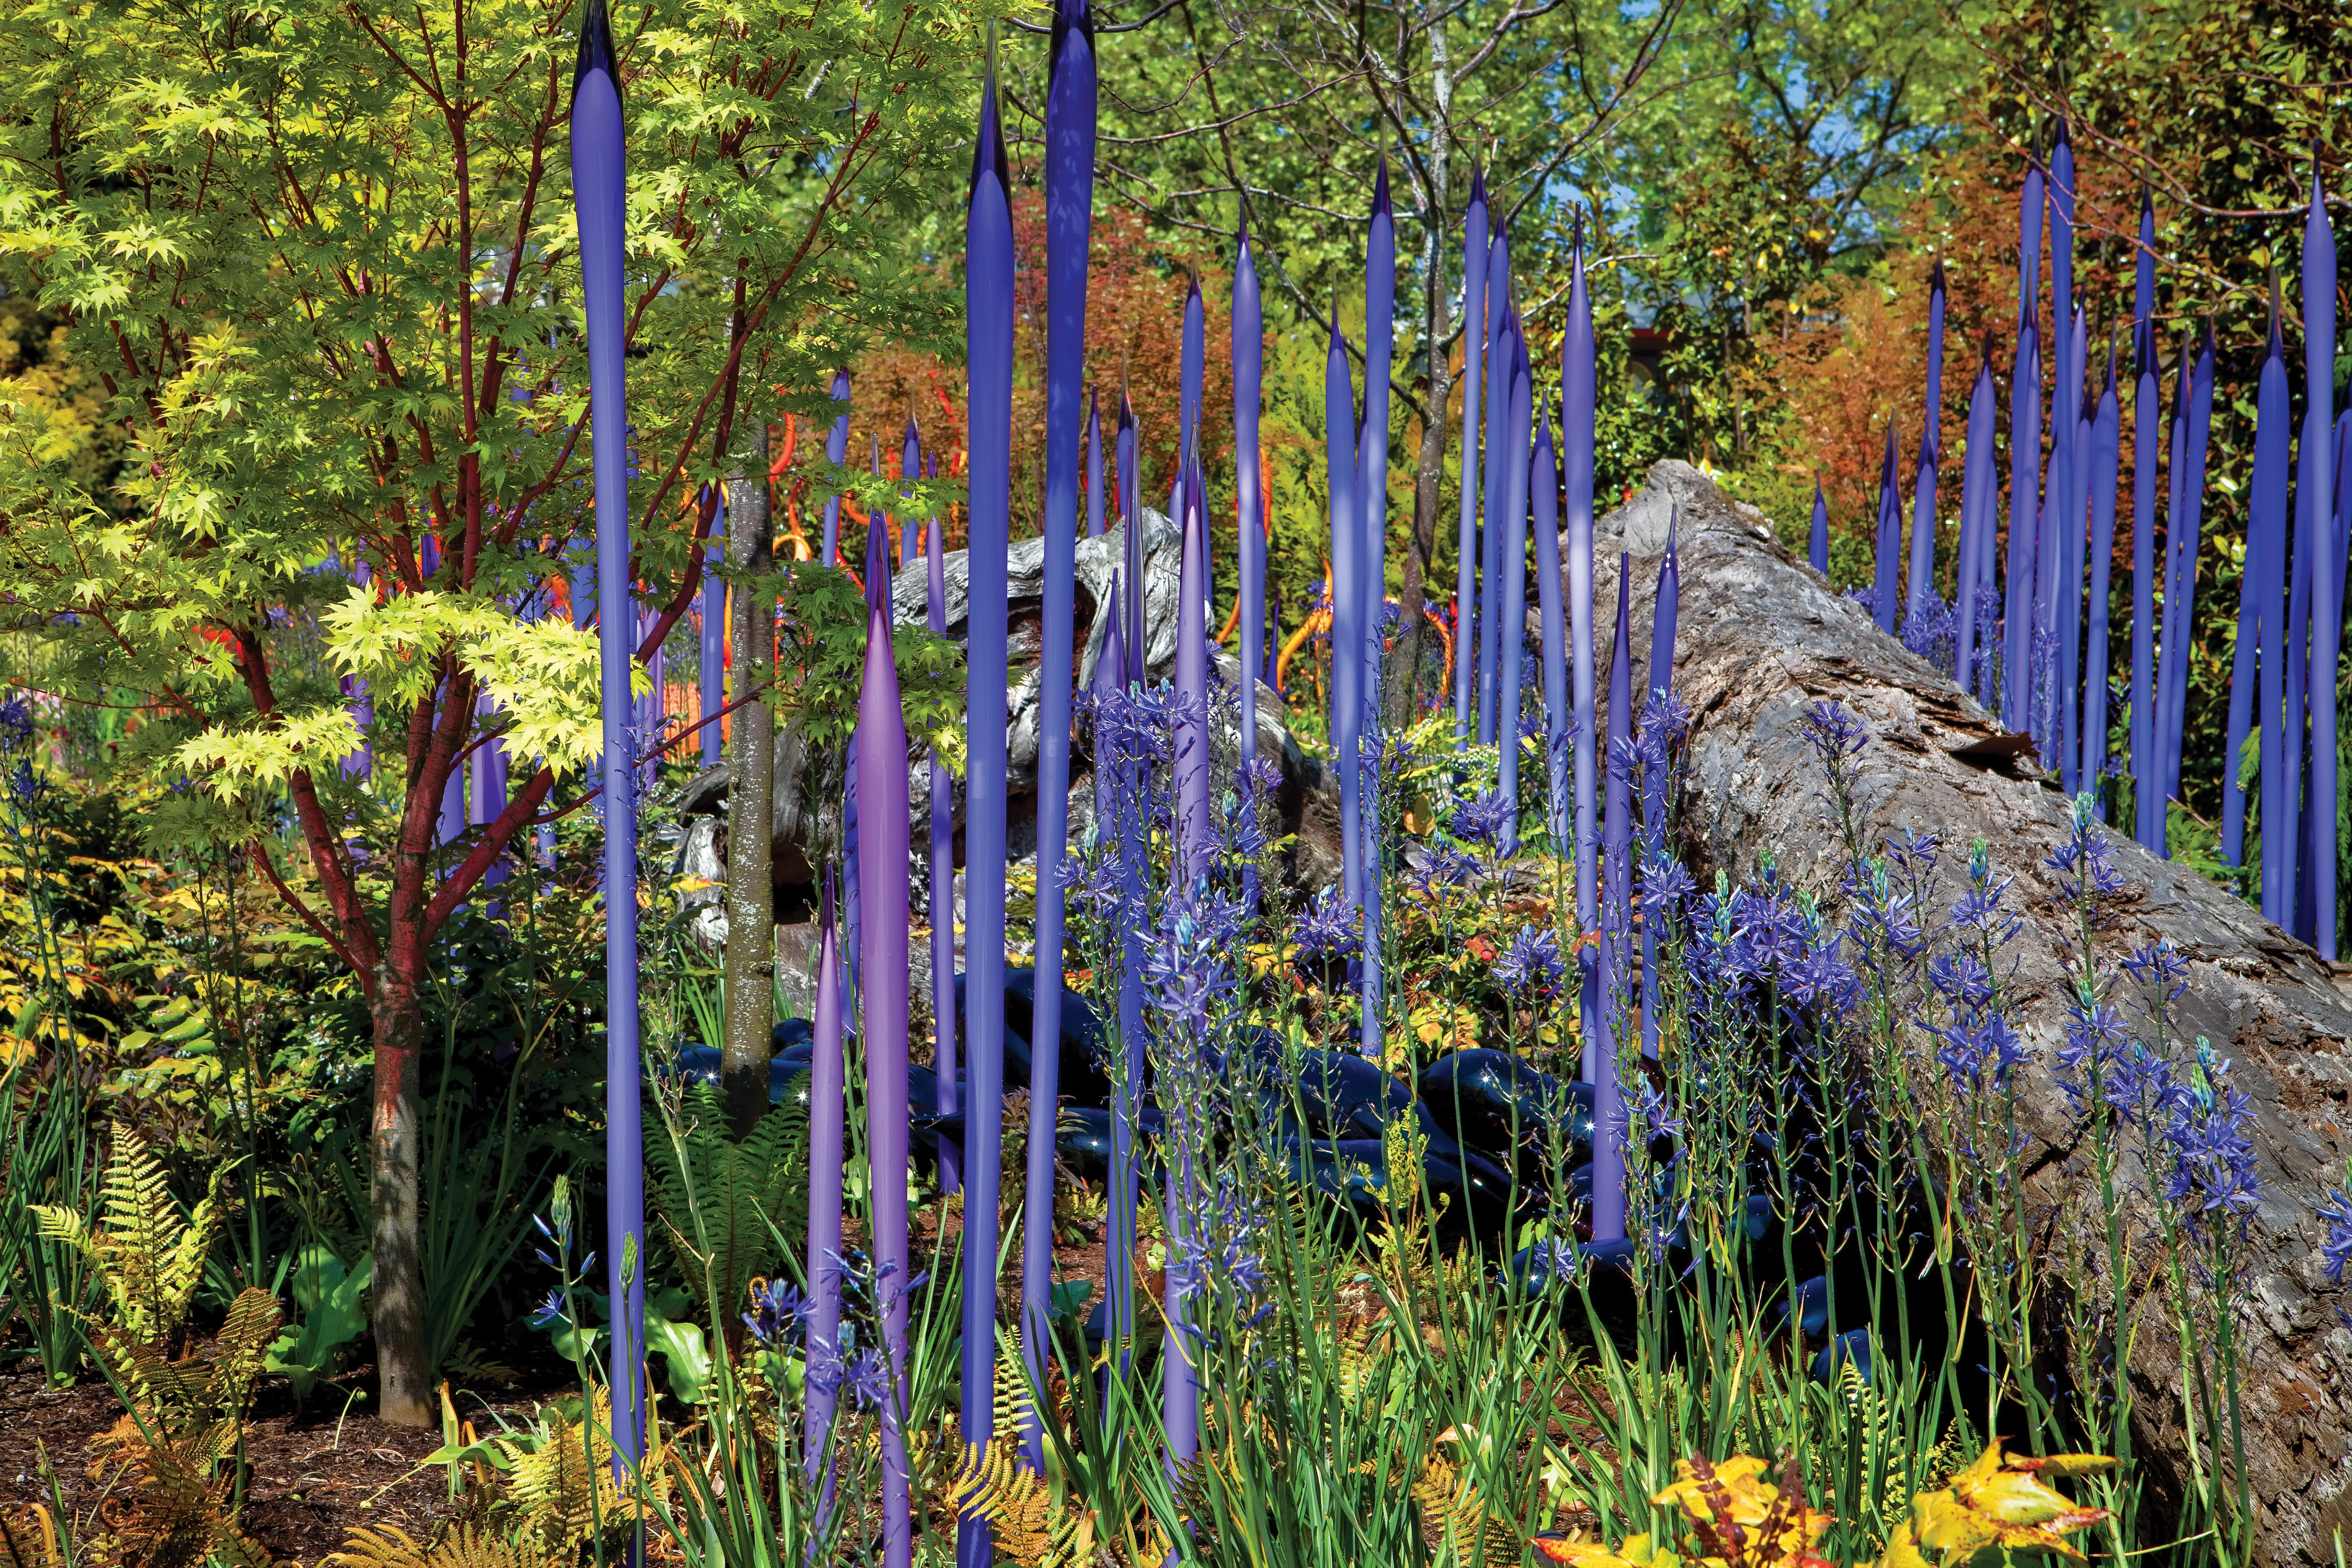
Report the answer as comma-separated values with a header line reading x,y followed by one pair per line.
x,y
242,1347
378,1546
1016,1502
465,1547
1453,1510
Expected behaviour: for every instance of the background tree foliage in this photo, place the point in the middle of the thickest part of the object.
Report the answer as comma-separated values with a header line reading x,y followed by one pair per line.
x,y
320,263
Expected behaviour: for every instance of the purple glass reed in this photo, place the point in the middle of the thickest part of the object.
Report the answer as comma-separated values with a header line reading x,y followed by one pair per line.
x,y
1977,502
1372,484
2106,452
600,201
1249,369
828,1129
1513,618
1372,499
1473,342
1498,413
989,337
1543,487
1180,1391
1069,233
942,851
881,744
711,689
837,451
911,468
1577,439
2192,425
1347,579
2072,540
1127,480
2024,463
2290,840
1094,500
1616,929
1666,613
2148,415
1195,352
1931,454
1885,582
1193,837
1817,544
2067,388
2260,592
2328,606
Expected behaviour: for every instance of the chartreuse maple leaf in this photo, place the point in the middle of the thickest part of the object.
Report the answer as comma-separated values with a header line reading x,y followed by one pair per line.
x,y
2001,1504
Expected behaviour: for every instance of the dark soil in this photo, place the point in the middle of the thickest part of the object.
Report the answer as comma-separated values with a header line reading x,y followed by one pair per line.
x,y
314,1474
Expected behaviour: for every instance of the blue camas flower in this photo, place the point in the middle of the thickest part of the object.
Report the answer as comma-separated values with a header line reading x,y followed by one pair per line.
x,y
2335,1252
779,1313
1480,819
2214,1169
2084,863
1327,928
1532,966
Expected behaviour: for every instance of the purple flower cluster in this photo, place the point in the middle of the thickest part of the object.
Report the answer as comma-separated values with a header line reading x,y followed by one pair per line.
x,y
1932,630
1480,819
2085,864
1532,965
778,1314
2208,1129
1329,927
1186,965
1745,940
1218,1252
2336,1208
15,725
864,1377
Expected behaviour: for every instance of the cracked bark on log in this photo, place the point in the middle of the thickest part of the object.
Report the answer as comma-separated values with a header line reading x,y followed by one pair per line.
x,y
1763,637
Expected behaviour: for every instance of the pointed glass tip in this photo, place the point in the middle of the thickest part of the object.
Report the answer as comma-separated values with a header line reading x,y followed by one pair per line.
x,y
988,149
1382,206
1477,185
1070,17
595,47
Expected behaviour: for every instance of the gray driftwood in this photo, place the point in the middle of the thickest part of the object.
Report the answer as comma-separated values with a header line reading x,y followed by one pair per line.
x,y
1762,636
805,812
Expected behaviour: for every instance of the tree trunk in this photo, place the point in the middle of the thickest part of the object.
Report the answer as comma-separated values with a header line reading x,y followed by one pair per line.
x,y
751,774
404,1375
1762,638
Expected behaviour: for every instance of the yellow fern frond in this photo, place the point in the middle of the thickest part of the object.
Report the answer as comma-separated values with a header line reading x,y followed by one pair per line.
x,y
1452,1509
378,1546
385,1546
1016,1502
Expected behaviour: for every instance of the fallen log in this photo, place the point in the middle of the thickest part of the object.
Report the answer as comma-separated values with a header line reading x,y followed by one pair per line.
x,y
1762,638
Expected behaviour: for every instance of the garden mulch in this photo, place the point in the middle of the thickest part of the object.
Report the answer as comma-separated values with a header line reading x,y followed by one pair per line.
x,y
317,1473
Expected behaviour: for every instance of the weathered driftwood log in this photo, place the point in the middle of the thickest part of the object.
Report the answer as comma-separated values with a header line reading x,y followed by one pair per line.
x,y
1762,638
